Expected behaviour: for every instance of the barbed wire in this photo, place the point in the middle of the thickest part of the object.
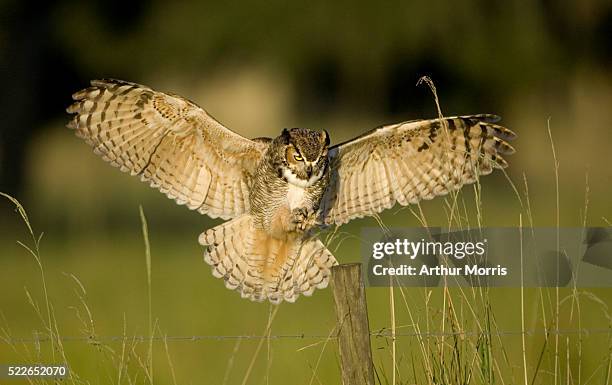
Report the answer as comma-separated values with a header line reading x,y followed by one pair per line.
x,y
383,333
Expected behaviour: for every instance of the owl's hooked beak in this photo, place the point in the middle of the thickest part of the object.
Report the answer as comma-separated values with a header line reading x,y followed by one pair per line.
x,y
309,170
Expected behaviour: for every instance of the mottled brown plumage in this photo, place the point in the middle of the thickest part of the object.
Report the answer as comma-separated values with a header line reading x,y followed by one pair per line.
x,y
170,143
407,162
278,192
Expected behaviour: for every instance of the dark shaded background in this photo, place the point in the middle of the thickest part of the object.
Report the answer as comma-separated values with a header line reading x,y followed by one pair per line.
x,y
334,56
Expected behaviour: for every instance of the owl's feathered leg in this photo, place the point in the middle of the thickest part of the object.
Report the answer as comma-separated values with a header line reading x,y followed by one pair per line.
x,y
261,266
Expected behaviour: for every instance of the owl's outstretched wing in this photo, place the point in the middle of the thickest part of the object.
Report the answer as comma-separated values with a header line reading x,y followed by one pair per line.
x,y
407,162
169,142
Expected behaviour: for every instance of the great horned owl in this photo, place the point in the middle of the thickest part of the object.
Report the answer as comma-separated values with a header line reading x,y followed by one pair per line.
x,y
278,192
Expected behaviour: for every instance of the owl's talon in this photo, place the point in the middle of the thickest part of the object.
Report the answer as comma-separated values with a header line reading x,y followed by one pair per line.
x,y
302,219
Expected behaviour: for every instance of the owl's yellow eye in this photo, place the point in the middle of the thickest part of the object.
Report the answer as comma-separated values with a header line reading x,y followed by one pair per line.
x,y
298,157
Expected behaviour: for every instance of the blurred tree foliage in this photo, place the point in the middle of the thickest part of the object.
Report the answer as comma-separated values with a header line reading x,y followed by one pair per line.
x,y
338,54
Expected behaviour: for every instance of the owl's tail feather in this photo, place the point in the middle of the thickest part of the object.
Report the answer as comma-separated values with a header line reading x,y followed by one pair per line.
x,y
263,267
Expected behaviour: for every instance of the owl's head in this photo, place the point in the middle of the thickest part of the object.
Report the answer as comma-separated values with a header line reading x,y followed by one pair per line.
x,y
305,155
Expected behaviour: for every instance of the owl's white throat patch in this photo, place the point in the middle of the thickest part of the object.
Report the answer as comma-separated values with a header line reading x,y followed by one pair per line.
x,y
295,196
294,180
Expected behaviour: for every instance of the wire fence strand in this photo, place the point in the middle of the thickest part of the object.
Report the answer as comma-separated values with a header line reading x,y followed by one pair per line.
x,y
384,333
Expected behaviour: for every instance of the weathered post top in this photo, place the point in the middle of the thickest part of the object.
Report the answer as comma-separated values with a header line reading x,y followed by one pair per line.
x,y
353,326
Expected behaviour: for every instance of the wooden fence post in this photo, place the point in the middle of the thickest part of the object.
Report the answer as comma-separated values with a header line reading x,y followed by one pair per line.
x,y
353,326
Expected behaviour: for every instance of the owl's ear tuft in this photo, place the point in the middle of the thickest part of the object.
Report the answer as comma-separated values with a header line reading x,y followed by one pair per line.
x,y
285,136
325,137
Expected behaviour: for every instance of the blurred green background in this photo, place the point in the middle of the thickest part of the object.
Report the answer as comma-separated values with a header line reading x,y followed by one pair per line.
x,y
259,67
